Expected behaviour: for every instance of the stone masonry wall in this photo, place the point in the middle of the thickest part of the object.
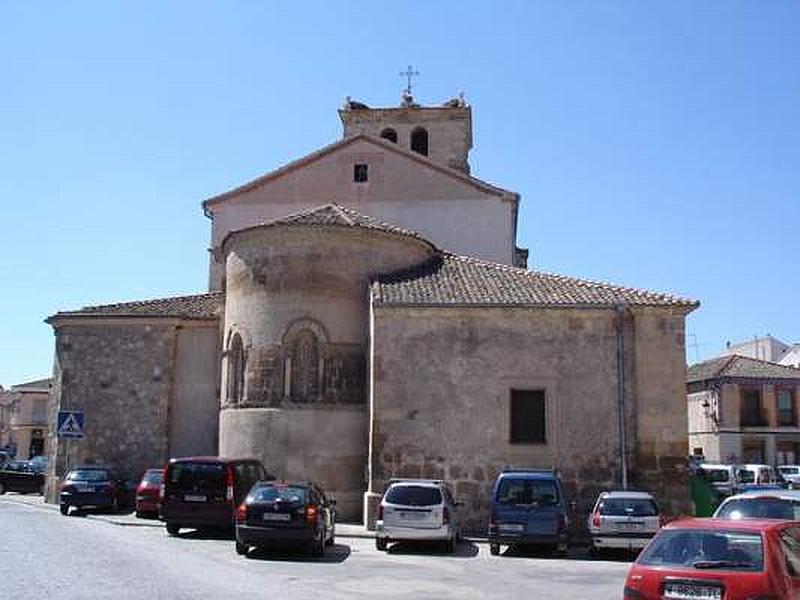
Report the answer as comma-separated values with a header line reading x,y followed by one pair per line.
x,y
121,376
440,399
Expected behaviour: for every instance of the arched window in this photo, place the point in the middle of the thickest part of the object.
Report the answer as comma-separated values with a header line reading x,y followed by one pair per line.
x,y
419,141
389,134
305,366
235,383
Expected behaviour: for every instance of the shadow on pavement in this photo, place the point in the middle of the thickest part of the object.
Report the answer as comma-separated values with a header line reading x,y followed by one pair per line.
x,y
464,549
337,553
575,553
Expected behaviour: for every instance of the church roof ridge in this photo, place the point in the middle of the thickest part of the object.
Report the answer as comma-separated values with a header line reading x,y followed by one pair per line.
x,y
325,150
331,215
195,306
466,280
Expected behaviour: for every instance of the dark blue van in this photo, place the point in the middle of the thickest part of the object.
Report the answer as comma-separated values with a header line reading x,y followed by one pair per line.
x,y
528,507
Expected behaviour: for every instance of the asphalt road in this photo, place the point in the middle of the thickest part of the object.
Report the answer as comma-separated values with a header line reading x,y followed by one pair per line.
x,y
46,556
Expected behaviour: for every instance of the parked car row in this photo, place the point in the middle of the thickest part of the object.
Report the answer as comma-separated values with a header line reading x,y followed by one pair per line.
x,y
23,476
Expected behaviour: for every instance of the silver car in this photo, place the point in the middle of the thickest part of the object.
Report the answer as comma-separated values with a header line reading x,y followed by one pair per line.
x,y
417,510
790,474
623,520
761,504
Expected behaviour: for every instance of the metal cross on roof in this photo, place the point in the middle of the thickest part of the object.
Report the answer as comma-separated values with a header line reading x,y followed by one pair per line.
x,y
409,73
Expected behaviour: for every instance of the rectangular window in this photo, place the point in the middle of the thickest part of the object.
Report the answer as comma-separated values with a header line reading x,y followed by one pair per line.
x,y
751,414
528,417
360,173
786,414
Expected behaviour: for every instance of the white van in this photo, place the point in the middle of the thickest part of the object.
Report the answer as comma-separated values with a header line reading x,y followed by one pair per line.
x,y
754,474
721,477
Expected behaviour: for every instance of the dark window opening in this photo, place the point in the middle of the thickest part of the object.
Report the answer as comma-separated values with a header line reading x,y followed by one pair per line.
x,y
419,141
360,173
786,415
389,134
527,417
751,410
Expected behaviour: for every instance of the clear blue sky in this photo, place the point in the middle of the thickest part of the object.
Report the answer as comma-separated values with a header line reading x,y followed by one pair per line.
x,y
654,144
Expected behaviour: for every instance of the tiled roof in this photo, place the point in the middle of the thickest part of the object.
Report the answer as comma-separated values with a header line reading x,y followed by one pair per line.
x,y
198,306
331,215
459,280
739,366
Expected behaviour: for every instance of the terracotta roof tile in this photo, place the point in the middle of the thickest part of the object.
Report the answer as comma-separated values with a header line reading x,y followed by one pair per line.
x,y
198,306
735,366
459,280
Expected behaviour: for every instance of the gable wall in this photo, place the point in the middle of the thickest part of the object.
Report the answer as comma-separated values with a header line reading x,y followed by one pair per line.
x,y
453,215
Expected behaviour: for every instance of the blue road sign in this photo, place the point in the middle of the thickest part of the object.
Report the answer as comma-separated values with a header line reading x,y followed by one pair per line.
x,y
70,424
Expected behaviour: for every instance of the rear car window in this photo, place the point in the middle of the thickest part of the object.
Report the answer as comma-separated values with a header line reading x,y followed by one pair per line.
x,y
705,550
788,470
746,476
717,475
760,508
527,491
88,475
153,477
628,507
413,495
197,476
279,493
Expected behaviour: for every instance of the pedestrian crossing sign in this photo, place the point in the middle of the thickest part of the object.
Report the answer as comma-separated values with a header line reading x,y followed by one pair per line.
x,y
70,424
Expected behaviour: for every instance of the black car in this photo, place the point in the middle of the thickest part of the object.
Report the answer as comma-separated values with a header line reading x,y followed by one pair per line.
x,y
21,476
93,486
202,492
276,513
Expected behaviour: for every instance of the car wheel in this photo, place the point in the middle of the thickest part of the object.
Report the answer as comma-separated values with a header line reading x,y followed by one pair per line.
x,y
64,508
2,489
494,549
381,544
241,548
173,529
318,547
331,540
450,546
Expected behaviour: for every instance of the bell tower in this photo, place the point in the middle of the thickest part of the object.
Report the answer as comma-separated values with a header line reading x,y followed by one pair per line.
x,y
442,133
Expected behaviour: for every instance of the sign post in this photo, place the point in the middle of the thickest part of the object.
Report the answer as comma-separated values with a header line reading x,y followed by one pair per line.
x,y
70,427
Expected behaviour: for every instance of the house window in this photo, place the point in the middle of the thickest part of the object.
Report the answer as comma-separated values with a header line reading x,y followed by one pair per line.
x,y
419,141
751,413
786,413
528,417
305,366
360,173
389,134
235,383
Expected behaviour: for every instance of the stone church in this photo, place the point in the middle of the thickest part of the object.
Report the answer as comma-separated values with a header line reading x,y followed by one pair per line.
x,y
370,315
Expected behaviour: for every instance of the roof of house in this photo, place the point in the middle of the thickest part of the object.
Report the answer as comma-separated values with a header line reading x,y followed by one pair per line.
x,y
460,280
198,306
330,148
331,215
734,366
38,385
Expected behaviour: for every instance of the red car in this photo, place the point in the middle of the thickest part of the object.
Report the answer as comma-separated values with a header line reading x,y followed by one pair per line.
x,y
147,494
715,559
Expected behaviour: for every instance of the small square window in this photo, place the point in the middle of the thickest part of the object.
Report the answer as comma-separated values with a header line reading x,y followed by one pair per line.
x,y
528,417
360,173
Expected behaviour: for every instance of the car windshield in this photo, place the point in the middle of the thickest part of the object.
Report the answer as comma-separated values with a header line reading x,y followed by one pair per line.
x,y
717,475
279,493
705,549
197,476
16,465
88,475
624,507
759,508
414,495
527,491
153,477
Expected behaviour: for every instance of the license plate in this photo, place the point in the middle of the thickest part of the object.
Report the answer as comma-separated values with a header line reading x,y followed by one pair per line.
x,y
85,488
277,516
511,527
191,498
411,516
690,591
629,526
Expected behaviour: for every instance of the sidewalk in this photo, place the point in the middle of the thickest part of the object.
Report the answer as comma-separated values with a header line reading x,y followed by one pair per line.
x,y
344,530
